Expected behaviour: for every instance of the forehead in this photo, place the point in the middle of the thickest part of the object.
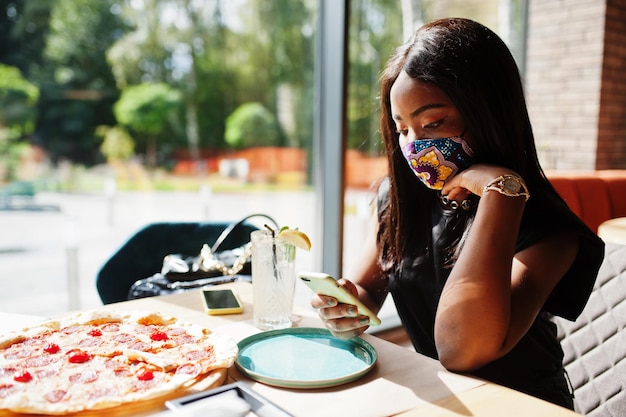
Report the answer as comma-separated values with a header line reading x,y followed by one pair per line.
x,y
408,94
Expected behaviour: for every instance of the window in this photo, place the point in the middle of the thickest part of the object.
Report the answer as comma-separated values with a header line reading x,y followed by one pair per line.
x,y
120,113
143,111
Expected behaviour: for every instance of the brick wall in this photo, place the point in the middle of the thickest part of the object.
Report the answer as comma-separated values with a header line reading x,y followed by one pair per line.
x,y
611,151
564,78
576,82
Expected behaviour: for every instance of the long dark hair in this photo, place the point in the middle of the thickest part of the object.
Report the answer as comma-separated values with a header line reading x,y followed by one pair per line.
x,y
474,67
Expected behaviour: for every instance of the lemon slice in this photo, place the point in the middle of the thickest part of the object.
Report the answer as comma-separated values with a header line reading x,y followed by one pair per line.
x,y
295,237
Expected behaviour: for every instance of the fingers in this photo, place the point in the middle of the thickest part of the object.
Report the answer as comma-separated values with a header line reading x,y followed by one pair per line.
x,y
345,335
347,327
343,320
338,311
457,194
349,285
321,301
472,180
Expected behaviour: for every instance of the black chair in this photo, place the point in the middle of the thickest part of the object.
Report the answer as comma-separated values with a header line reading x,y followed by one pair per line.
x,y
142,255
595,344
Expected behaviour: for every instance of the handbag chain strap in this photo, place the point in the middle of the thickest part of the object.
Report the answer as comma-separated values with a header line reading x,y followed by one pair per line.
x,y
208,261
227,231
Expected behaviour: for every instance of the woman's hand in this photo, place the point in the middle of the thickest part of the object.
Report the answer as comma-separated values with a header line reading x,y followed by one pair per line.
x,y
472,181
342,320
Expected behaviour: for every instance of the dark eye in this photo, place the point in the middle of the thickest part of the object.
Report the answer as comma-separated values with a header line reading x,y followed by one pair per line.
x,y
435,124
403,132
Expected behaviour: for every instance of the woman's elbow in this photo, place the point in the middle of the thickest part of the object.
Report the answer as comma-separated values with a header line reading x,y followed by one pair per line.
x,y
459,363
465,357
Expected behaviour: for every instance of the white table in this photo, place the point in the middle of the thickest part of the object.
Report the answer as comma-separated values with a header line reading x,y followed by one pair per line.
x,y
613,231
402,382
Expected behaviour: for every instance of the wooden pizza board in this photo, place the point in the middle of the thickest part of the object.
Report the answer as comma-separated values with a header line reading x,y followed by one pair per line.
x,y
144,408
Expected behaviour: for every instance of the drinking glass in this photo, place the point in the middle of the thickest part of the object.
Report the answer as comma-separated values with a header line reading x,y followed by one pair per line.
x,y
273,280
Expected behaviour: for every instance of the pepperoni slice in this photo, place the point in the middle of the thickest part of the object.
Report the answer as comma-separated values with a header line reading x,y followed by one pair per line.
x,y
111,327
114,363
71,329
177,331
143,385
90,342
19,351
46,372
7,389
195,355
148,329
34,341
189,369
122,372
184,339
123,338
120,369
83,377
103,392
55,396
40,360
139,345
7,371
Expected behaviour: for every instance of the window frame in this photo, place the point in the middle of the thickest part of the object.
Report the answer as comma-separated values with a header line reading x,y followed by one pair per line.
x,y
329,143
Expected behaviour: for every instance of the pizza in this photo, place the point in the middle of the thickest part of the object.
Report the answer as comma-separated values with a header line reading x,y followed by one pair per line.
x,y
102,359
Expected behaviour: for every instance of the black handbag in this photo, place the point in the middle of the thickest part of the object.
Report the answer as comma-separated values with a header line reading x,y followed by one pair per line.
x,y
211,266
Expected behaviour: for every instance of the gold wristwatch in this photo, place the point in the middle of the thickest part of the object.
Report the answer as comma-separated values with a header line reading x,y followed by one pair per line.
x,y
508,185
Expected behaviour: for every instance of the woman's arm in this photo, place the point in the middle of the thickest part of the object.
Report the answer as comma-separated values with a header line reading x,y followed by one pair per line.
x,y
493,295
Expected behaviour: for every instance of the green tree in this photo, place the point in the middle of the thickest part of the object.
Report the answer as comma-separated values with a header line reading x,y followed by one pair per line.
x,y
265,55
148,109
24,27
370,45
117,144
277,63
77,87
18,100
180,42
251,124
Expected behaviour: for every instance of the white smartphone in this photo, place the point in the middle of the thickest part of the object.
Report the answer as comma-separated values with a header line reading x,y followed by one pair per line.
x,y
324,284
221,302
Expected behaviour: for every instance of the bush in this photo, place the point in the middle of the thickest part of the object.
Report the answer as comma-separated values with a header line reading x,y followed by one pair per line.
x,y
251,124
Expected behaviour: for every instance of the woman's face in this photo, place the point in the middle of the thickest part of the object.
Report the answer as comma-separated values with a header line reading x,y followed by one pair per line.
x,y
422,111
429,130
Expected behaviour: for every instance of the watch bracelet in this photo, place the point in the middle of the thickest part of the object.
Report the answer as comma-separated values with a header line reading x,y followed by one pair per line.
x,y
497,184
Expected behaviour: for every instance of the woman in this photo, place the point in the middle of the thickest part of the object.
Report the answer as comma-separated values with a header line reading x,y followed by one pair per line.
x,y
474,244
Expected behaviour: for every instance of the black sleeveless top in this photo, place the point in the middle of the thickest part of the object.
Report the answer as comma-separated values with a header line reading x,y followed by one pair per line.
x,y
416,285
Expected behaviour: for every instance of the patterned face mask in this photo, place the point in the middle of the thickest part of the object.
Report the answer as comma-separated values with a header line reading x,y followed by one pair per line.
x,y
437,160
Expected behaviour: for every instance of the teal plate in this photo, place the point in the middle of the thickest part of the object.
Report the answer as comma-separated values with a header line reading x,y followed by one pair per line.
x,y
304,358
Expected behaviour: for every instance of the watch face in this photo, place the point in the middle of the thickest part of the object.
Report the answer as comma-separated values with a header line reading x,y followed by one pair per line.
x,y
510,184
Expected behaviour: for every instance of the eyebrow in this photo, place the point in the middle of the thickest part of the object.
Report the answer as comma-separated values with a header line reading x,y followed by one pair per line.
x,y
421,109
